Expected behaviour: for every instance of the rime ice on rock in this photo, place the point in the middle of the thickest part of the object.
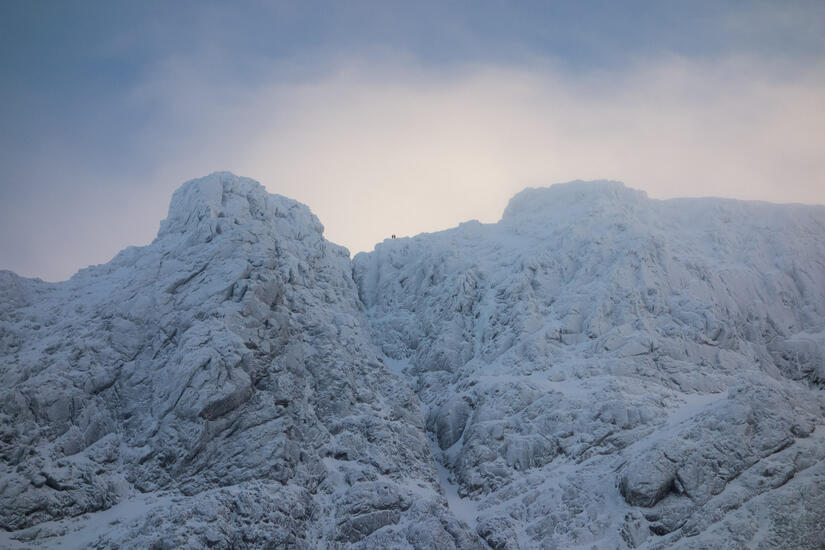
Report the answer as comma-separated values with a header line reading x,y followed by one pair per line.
x,y
598,369
636,372
215,388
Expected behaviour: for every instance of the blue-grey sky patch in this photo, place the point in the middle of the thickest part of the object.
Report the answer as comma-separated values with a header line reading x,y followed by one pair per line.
x,y
355,107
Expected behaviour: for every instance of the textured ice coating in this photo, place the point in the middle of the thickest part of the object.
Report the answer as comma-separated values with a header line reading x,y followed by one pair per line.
x,y
572,199
225,199
222,378
603,369
598,369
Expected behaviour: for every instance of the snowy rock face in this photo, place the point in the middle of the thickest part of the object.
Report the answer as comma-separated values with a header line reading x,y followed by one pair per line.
x,y
215,388
596,370
604,370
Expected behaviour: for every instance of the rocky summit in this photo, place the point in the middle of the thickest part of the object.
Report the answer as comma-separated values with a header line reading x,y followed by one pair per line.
x,y
596,370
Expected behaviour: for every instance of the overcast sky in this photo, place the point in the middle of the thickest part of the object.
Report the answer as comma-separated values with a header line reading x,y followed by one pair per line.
x,y
391,117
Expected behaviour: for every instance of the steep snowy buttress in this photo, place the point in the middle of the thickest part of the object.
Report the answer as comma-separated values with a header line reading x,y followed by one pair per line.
x,y
605,370
598,369
215,388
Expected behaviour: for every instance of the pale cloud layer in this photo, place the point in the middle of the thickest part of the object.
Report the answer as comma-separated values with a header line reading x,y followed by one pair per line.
x,y
394,147
402,149
392,118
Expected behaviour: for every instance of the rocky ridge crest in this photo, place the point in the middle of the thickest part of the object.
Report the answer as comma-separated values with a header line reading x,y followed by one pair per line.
x,y
598,369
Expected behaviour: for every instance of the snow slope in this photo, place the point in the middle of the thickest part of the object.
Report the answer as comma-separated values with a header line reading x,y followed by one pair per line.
x,y
227,364
606,370
596,370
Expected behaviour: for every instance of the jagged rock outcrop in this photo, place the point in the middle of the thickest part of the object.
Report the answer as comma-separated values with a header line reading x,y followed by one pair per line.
x,y
217,388
596,370
602,369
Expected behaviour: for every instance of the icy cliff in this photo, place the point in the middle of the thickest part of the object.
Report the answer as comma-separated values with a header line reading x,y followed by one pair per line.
x,y
605,370
218,388
596,370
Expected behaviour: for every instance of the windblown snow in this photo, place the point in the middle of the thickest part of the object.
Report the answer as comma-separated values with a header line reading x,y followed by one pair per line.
x,y
596,370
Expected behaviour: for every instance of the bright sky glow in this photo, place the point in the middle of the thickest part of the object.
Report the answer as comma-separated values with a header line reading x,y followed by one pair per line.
x,y
391,117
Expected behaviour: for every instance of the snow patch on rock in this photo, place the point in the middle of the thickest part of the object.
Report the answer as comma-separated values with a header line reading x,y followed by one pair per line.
x,y
598,369
227,364
606,367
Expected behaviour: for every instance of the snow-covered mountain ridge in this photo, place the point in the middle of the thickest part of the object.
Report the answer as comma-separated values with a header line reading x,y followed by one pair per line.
x,y
596,370
225,370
